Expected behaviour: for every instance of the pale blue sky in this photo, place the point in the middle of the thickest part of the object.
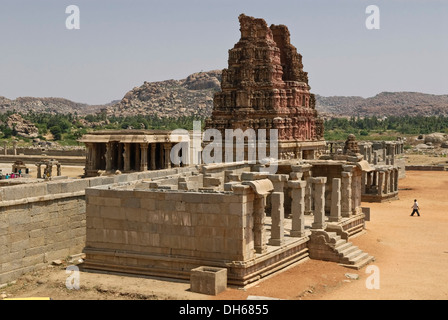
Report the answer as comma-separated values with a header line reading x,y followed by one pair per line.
x,y
123,43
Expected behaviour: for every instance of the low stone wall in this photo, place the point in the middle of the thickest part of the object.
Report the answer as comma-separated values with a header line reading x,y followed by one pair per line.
x,y
30,160
151,228
81,152
41,222
426,168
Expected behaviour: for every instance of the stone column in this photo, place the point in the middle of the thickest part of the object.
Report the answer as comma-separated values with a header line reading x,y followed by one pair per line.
x,y
319,202
392,155
391,183
386,181
162,156
5,146
346,194
335,213
297,207
259,227
278,180
120,156
380,183
14,147
153,156
396,180
277,217
108,156
277,208
143,156
58,168
137,157
167,149
356,191
369,181
89,156
127,157
39,171
375,157
363,182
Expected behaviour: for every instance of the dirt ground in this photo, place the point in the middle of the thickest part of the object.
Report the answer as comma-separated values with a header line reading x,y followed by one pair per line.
x,y
411,255
69,171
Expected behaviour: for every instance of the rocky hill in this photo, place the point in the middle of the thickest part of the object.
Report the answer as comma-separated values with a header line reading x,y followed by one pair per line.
x,y
47,105
171,98
194,96
385,104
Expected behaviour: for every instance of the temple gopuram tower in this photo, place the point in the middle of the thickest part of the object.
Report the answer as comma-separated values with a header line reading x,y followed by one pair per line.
x,y
265,87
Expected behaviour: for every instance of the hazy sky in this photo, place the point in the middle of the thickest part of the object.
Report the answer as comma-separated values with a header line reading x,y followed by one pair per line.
x,y
122,43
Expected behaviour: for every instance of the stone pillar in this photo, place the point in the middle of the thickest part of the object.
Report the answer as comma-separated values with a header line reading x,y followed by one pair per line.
x,y
396,180
39,171
277,217
380,183
278,180
306,170
58,168
108,156
391,181
162,156
90,156
5,147
346,194
127,157
386,181
137,157
364,182
356,191
143,156
14,147
167,149
153,156
335,213
392,155
369,181
297,207
319,202
259,227
277,208
120,156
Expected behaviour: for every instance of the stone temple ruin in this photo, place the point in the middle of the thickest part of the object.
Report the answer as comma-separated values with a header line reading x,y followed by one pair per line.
x,y
167,220
236,215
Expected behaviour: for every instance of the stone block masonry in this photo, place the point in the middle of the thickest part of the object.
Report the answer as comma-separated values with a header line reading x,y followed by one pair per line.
x,y
197,225
46,221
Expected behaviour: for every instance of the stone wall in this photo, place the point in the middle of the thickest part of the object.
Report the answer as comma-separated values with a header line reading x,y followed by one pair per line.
x,y
41,222
188,228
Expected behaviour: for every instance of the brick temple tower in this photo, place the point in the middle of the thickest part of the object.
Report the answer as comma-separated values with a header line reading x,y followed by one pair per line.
x,y
265,87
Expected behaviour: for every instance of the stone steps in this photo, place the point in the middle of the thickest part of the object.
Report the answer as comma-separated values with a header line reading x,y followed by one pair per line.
x,y
349,255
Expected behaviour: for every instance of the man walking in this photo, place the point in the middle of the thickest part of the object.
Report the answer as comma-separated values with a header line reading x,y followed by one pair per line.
x,y
415,208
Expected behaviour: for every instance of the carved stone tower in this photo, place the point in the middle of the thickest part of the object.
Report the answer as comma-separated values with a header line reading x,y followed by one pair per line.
x,y
265,87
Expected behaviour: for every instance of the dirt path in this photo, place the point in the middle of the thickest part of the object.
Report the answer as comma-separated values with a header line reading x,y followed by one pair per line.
x,y
411,254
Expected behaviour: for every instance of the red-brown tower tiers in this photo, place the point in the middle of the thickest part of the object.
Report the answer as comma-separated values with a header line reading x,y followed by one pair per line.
x,y
265,87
